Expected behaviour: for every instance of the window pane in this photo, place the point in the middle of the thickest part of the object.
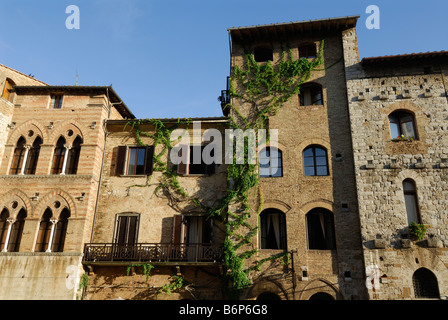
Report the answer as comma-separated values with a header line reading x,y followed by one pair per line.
x,y
394,130
320,152
411,208
276,172
140,169
264,160
408,186
308,152
264,172
321,161
309,171
308,161
408,129
322,171
132,156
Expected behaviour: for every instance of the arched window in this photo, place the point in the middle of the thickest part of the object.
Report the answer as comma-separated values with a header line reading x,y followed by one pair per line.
x,y
58,156
73,156
263,54
272,229
425,284
6,94
402,123
411,202
16,232
271,162
315,162
52,231
19,153
311,95
320,224
33,156
307,51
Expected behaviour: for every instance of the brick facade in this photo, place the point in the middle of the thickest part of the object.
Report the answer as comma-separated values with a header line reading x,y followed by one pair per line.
x,y
359,203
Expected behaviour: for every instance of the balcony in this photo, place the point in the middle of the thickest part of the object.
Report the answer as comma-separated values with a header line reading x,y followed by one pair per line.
x,y
157,253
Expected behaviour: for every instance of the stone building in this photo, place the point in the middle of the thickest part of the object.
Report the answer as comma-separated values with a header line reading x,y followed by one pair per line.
x,y
361,152
52,148
398,112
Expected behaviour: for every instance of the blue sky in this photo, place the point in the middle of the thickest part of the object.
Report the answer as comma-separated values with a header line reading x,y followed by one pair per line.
x,y
170,58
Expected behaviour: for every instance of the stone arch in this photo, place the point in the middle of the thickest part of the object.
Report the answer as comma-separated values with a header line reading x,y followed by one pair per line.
x,y
14,201
276,204
419,117
320,286
63,128
263,286
50,199
321,203
24,129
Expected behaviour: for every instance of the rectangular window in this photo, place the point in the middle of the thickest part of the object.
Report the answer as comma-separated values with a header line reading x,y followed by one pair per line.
x,y
56,102
134,160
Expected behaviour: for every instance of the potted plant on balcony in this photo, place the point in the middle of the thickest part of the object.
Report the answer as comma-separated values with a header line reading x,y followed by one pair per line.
x,y
417,231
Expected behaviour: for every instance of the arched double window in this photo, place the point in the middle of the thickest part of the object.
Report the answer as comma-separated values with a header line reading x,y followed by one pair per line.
x,y
272,229
52,231
425,284
320,225
402,124
270,159
315,162
25,157
66,157
11,230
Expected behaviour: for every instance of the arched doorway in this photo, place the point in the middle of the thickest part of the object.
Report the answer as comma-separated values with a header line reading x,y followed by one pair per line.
x,y
425,284
321,296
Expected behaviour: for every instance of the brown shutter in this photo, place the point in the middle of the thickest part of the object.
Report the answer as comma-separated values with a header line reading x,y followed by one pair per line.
x,y
149,160
182,168
119,164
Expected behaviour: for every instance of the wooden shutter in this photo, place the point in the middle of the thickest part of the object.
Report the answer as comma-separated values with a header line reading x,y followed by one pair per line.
x,y
121,160
149,160
182,167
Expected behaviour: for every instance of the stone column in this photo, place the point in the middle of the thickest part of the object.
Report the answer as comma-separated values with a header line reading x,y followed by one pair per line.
x,y
8,234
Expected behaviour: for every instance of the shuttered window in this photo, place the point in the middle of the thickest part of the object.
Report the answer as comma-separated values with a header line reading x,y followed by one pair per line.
x,y
134,160
126,230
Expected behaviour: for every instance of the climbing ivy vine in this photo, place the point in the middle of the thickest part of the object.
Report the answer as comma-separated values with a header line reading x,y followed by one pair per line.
x,y
264,88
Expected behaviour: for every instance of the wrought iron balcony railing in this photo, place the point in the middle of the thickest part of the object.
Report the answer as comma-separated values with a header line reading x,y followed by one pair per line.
x,y
153,252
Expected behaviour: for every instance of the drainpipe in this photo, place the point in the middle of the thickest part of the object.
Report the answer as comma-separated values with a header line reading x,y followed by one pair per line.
x,y
102,161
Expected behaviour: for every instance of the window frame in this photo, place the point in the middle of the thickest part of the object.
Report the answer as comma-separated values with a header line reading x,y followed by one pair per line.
x,y
264,234
56,101
315,166
279,157
399,115
122,161
413,193
308,91
307,48
328,232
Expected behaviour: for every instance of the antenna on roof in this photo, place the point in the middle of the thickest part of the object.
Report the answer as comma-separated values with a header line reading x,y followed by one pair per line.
x,y
77,77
